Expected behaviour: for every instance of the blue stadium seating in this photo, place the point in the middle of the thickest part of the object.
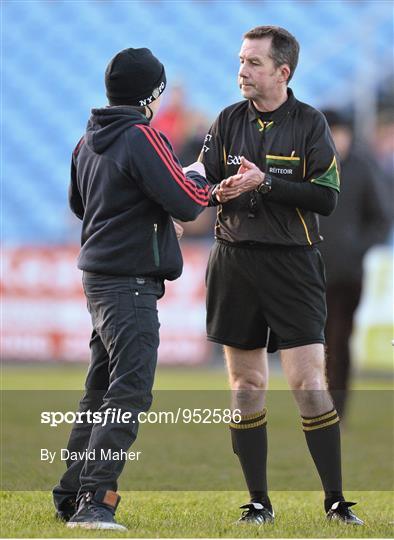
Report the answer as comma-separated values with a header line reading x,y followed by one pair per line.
x,y
54,54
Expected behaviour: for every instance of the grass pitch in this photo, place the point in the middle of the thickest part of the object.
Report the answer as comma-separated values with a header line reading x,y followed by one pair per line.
x,y
183,514
200,515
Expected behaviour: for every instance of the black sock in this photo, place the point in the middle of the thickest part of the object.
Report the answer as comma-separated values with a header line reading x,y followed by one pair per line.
x,y
249,438
324,442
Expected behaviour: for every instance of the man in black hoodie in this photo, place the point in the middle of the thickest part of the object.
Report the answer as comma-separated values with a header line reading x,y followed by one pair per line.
x,y
126,185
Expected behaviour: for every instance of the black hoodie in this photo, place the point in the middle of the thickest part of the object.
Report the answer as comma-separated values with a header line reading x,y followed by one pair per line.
x,y
126,183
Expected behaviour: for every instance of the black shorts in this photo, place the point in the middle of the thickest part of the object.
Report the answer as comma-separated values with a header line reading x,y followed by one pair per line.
x,y
253,288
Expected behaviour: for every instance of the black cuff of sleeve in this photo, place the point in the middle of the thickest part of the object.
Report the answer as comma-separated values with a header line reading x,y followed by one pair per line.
x,y
212,197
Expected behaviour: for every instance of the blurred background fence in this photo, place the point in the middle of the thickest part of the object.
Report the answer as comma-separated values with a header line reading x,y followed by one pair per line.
x,y
53,57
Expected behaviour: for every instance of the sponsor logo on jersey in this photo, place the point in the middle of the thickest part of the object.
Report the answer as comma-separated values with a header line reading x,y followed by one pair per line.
x,y
233,160
280,170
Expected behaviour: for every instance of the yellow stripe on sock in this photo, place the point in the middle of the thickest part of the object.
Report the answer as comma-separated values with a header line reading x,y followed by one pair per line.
x,y
325,424
248,426
318,418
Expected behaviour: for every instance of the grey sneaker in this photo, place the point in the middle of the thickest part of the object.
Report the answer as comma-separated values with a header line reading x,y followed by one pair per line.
x,y
256,514
97,511
340,511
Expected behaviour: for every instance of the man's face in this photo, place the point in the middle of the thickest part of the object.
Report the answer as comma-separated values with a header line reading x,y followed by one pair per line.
x,y
257,75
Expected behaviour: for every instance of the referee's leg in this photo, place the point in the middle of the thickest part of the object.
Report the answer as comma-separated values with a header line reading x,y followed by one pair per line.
x,y
248,377
305,371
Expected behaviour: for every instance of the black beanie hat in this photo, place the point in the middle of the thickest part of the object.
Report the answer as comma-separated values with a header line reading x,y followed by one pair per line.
x,y
134,77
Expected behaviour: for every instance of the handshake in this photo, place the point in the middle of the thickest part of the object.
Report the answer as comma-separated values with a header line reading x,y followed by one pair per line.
x,y
248,178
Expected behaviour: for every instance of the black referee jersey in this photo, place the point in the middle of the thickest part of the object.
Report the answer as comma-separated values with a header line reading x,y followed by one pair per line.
x,y
293,144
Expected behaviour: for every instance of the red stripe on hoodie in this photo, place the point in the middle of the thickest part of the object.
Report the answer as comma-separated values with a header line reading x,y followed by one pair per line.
x,y
78,147
159,140
173,168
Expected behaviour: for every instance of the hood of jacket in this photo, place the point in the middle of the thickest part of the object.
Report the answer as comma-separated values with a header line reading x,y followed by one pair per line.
x,y
107,124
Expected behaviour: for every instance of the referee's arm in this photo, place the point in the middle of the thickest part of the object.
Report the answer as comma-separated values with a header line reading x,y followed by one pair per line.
x,y
304,195
318,192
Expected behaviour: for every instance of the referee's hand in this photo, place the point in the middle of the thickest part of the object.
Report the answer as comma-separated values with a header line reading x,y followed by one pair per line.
x,y
246,166
248,178
252,176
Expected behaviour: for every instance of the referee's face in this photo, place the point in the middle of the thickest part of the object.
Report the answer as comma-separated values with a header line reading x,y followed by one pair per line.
x,y
258,78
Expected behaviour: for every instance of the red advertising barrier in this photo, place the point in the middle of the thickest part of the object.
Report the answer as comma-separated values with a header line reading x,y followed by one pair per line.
x,y
44,315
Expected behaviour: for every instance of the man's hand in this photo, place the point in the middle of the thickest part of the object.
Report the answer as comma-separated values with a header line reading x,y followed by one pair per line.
x,y
252,177
248,178
228,188
178,229
197,166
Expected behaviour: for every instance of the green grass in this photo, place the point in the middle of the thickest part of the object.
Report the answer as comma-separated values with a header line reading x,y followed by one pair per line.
x,y
201,513
72,377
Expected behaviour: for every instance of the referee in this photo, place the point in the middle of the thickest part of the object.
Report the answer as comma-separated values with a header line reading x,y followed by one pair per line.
x,y
126,183
265,275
